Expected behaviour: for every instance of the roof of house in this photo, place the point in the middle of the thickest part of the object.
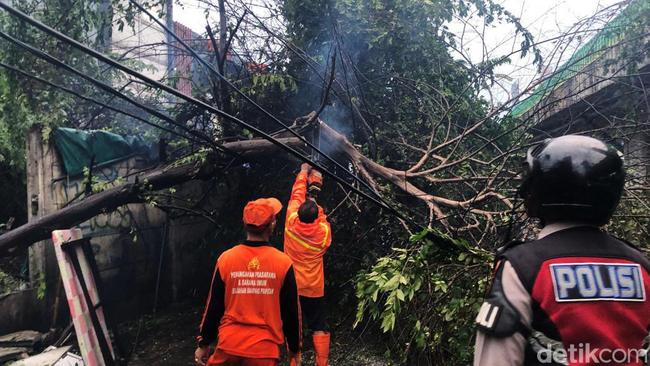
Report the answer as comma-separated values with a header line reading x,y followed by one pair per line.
x,y
590,52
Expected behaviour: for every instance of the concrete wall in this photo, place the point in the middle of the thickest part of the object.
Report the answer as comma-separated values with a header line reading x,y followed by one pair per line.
x,y
22,310
146,42
127,243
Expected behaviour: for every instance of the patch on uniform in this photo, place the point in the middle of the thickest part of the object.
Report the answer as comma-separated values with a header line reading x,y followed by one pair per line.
x,y
487,316
597,282
254,264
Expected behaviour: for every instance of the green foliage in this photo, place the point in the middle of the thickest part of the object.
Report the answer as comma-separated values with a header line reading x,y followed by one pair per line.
x,y
26,103
632,220
8,283
41,288
200,156
430,292
267,81
15,119
400,91
98,184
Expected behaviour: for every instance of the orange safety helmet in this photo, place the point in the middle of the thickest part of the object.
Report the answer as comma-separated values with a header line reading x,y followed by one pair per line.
x,y
262,211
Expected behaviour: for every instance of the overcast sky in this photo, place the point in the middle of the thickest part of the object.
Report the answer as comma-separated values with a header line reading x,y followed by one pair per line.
x,y
543,18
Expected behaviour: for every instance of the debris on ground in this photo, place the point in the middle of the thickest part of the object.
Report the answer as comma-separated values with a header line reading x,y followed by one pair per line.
x,y
168,338
52,356
8,354
29,339
25,348
19,345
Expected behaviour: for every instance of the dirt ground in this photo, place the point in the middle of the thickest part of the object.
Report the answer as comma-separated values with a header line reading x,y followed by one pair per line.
x,y
168,339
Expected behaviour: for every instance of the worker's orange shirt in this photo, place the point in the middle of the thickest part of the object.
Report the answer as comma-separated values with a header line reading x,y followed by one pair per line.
x,y
253,277
305,243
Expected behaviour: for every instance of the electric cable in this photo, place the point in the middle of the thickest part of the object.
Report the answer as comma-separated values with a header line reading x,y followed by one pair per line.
x,y
90,99
247,98
45,28
102,85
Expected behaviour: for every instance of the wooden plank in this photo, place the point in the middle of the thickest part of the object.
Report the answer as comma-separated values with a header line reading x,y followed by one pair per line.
x,y
25,338
44,359
12,353
80,310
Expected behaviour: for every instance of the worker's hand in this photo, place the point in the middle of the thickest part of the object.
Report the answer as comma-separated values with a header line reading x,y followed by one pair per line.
x,y
315,178
295,359
304,167
201,355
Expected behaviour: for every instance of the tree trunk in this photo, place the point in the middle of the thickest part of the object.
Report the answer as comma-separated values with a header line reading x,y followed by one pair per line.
x,y
223,92
368,170
111,199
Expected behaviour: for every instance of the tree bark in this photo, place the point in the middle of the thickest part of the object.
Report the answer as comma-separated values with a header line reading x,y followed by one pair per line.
x,y
111,199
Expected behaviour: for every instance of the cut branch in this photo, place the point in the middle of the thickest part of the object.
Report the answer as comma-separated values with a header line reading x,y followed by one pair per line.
x,y
133,192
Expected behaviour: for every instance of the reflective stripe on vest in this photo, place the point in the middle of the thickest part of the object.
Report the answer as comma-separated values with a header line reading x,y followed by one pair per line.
x,y
304,242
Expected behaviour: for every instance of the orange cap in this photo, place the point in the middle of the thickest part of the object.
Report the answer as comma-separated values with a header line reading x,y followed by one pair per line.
x,y
261,211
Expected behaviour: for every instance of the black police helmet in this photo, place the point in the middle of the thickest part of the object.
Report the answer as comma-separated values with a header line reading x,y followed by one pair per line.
x,y
573,178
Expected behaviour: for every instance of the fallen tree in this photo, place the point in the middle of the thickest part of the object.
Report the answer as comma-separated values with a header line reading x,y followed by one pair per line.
x,y
175,174
370,170
132,192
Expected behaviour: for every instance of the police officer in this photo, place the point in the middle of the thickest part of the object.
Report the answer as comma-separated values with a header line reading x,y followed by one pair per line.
x,y
576,295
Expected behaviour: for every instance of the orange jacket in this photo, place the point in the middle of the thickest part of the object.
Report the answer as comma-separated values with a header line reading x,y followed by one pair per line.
x,y
305,243
253,303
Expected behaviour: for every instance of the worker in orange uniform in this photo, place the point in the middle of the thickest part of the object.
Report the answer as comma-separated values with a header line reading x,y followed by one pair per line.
x,y
253,304
307,236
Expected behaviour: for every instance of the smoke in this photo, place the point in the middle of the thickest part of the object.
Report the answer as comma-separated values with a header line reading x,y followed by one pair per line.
x,y
338,117
336,113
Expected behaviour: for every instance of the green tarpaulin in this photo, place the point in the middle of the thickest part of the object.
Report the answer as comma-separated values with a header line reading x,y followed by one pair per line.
x,y
77,148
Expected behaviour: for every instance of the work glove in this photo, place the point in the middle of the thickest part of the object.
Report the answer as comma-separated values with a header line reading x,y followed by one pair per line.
x,y
304,167
201,355
315,182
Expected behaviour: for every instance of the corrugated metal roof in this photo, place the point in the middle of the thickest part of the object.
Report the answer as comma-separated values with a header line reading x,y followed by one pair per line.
x,y
611,34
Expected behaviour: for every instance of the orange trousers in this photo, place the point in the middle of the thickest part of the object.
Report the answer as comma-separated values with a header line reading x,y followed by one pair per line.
x,y
220,358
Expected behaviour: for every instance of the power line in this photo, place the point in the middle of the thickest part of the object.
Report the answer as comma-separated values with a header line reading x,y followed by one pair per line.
x,y
104,86
247,98
259,107
50,31
90,99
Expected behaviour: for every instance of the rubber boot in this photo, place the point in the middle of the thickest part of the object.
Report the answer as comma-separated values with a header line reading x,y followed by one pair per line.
x,y
321,348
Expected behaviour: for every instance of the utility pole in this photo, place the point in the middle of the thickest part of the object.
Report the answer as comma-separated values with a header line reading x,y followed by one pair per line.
x,y
222,30
223,87
105,31
169,20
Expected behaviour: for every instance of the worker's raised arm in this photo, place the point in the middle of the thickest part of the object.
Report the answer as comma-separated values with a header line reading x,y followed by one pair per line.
x,y
299,190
